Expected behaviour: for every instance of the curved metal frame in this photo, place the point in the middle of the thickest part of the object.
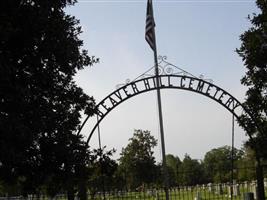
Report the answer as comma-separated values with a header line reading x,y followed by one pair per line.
x,y
167,81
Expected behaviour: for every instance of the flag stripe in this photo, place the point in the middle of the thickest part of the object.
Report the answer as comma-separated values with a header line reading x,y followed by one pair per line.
x,y
150,25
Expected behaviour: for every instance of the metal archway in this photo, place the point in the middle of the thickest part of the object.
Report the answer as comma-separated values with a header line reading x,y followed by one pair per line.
x,y
167,81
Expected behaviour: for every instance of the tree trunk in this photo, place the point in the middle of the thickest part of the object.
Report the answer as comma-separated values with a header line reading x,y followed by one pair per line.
x,y
70,193
82,185
260,180
83,191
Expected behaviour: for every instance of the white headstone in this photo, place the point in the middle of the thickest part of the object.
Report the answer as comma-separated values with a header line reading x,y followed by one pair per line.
x,y
236,190
246,185
254,189
229,191
198,196
210,187
219,189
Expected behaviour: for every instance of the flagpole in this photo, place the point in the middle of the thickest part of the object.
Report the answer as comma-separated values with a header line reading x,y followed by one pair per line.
x,y
164,166
151,39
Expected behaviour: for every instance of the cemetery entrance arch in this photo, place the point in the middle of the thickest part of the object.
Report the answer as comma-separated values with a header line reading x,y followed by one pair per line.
x,y
184,81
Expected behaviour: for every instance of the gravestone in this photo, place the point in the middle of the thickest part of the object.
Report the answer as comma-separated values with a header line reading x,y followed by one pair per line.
x,y
229,190
236,190
248,196
246,185
210,187
254,189
198,188
219,189
189,188
198,196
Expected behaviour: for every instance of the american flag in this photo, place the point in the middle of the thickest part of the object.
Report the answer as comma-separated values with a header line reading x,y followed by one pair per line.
x,y
150,25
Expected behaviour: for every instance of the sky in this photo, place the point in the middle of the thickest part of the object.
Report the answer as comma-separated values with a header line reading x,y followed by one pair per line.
x,y
198,36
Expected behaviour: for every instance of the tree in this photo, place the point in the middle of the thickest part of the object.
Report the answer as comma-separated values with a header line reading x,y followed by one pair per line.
x,y
253,52
40,104
218,163
137,160
246,167
173,163
102,171
191,172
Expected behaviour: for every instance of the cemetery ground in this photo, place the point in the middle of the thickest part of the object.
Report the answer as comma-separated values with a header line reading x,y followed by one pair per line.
x,y
200,192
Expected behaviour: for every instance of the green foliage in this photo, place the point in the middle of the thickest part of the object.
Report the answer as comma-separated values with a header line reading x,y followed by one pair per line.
x,y
218,163
173,163
246,165
137,162
102,171
40,104
191,172
253,51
